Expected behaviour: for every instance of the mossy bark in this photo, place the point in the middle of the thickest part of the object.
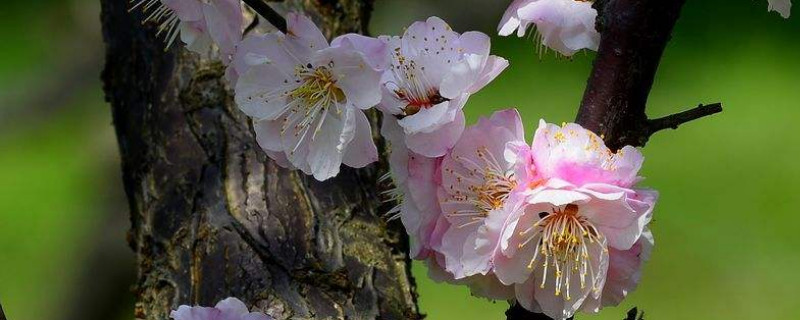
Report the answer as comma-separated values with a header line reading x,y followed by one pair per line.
x,y
212,217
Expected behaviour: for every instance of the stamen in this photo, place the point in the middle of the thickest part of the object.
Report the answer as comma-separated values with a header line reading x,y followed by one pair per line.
x,y
412,85
485,187
160,14
563,239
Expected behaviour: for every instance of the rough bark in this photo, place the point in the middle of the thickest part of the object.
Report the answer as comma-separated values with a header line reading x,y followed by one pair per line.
x,y
212,217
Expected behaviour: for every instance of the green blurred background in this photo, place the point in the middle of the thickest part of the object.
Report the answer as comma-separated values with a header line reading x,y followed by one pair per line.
x,y
726,227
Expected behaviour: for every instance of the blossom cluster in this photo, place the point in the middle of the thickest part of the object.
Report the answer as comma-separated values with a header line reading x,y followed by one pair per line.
x,y
558,225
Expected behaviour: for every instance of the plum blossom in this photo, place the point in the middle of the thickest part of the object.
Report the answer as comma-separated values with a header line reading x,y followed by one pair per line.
x,y
476,189
581,232
228,309
203,25
566,26
433,72
307,97
783,7
437,237
416,179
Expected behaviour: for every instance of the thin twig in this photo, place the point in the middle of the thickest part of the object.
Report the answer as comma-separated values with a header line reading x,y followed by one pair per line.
x,y
264,10
252,25
2,315
674,120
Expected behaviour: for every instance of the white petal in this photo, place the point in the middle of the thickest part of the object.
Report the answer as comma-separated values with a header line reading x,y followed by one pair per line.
x,y
428,119
232,306
303,37
494,66
436,143
268,134
326,149
262,92
461,76
362,150
375,50
224,21
360,83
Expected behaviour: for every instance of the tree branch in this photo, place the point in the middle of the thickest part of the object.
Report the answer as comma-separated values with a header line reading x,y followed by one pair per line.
x,y
674,120
517,312
212,217
2,314
634,36
264,10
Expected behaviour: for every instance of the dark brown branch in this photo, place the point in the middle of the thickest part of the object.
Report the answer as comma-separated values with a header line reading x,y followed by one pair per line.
x,y
674,120
634,35
264,10
2,314
517,312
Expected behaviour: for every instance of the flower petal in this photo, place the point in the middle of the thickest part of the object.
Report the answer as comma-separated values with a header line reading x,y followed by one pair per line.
x,y
362,150
303,36
360,83
625,269
262,92
436,143
327,145
375,51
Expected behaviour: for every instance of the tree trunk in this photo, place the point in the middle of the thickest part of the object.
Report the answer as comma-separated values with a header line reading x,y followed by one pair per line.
x,y
212,217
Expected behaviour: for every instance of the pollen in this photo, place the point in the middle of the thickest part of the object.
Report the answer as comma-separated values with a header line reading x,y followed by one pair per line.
x,y
315,98
486,184
564,242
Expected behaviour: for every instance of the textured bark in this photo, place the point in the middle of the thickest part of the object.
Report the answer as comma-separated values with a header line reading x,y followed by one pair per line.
x,y
212,217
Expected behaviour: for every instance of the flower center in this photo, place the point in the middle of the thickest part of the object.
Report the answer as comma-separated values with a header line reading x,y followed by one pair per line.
x,y
413,86
312,101
488,185
319,88
564,240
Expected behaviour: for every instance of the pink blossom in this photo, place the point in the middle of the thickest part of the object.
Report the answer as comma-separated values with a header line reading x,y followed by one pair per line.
x,y
783,7
228,309
416,180
434,70
566,26
581,213
204,25
477,185
307,97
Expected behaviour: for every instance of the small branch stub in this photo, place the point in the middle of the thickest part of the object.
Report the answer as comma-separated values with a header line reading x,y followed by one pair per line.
x,y
675,120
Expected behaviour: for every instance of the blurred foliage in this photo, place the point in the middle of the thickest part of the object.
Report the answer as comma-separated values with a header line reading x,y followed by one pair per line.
x,y
725,227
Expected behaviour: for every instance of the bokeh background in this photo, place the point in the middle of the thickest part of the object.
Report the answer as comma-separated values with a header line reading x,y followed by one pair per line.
x,y
726,228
